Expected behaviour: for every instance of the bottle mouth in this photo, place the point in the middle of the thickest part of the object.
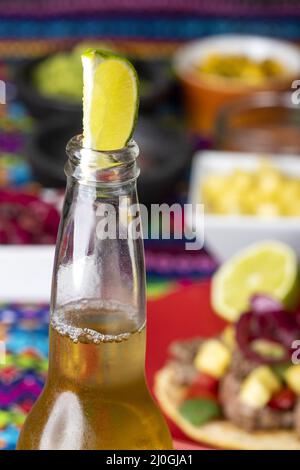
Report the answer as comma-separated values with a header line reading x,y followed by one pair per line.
x,y
101,166
127,154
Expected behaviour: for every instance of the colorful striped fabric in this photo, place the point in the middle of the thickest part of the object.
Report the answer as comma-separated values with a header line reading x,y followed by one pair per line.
x,y
176,20
145,27
24,328
153,27
39,8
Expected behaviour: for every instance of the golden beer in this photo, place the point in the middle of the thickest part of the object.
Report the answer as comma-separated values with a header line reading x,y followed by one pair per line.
x,y
96,396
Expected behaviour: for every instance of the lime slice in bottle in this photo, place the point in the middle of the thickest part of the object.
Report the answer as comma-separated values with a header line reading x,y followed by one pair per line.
x,y
268,267
110,100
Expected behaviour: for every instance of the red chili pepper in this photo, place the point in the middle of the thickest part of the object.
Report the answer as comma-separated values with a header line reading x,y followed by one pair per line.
x,y
204,386
283,400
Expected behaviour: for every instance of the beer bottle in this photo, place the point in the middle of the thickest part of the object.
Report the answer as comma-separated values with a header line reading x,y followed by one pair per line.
x,y
96,396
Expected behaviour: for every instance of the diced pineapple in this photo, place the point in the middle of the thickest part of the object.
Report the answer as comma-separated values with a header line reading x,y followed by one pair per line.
x,y
254,393
268,378
213,358
266,192
259,386
250,201
241,180
292,208
268,209
269,179
229,203
292,378
228,337
212,187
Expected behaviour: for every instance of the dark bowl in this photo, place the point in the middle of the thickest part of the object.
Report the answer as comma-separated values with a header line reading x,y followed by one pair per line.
x,y
164,156
156,83
39,105
46,150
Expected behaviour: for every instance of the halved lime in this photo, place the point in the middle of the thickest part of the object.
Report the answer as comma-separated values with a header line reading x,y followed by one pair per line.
x,y
268,267
110,100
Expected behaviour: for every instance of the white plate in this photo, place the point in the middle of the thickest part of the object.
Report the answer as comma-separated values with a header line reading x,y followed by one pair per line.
x,y
25,273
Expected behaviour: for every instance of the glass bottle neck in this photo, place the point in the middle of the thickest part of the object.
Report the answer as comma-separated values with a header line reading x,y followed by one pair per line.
x,y
98,288
107,169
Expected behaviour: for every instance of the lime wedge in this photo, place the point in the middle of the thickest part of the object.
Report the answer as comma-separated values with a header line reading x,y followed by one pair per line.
x,y
110,100
267,267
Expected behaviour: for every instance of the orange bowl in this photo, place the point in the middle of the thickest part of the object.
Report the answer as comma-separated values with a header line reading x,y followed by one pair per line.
x,y
205,95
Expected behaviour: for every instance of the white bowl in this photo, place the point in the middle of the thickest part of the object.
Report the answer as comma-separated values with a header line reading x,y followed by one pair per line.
x,y
204,95
224,235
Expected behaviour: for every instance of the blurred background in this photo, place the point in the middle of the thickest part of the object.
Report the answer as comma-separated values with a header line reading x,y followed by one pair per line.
x,y
219,124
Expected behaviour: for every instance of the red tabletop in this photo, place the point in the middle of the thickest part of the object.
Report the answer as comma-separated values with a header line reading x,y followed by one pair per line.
x,y
184,313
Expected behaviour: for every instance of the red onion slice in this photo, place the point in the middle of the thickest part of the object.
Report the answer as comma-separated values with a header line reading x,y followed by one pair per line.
x,y
267,321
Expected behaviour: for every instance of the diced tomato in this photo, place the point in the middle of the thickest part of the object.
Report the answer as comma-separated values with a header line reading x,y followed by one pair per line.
x,y
283,400
204,386
208,382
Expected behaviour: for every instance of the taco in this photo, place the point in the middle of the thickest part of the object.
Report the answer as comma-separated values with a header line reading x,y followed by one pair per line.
x,y
241,389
